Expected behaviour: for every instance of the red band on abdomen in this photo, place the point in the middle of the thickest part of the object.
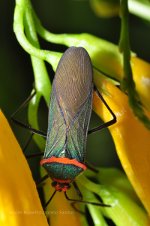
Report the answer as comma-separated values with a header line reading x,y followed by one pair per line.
x,y
61,181
63,161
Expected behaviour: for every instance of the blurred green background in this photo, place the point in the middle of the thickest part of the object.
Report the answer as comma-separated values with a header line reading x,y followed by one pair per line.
x,y
66,16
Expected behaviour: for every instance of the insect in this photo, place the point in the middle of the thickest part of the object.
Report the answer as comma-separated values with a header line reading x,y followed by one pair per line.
x,y
68,121
69,116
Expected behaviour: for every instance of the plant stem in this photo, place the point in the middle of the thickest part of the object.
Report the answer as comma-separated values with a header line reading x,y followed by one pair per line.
x,y
140,8
49,56
42,82
23,22
127,82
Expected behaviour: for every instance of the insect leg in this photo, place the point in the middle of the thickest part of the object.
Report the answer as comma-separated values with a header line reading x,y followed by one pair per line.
x,y
34,155
28,127
77,190
27,143
73,204
91,167
109,123
86,202
41,180
16,121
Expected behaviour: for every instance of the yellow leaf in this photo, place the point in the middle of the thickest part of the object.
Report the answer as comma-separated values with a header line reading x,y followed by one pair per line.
x,y
141,76
19,201
60,210
131,138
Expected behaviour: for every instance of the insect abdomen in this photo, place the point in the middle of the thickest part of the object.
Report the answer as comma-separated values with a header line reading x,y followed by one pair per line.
x,y
63,169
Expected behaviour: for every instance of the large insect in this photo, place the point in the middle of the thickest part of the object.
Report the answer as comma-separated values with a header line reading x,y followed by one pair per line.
x,y
69,115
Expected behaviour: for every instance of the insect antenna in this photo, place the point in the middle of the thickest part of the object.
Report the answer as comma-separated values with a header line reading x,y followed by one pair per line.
x,y
86,202
23,104
23,125
50,199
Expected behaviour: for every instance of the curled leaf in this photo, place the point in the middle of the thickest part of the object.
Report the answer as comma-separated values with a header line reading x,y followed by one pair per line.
x,y
131,138
19,200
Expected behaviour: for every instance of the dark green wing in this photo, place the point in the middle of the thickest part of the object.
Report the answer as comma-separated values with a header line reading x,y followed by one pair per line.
x,y
67,140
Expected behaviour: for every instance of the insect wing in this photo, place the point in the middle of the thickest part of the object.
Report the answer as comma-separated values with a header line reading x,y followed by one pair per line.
x,y
77,134
63,141
70,107
56,134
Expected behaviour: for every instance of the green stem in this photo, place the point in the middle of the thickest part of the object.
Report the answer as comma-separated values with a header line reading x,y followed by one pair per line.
x,y
48,36
140,8
49,56
97,216
23,21
33,108
127,82
42,82
96,188
100,51
123,211
95,211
